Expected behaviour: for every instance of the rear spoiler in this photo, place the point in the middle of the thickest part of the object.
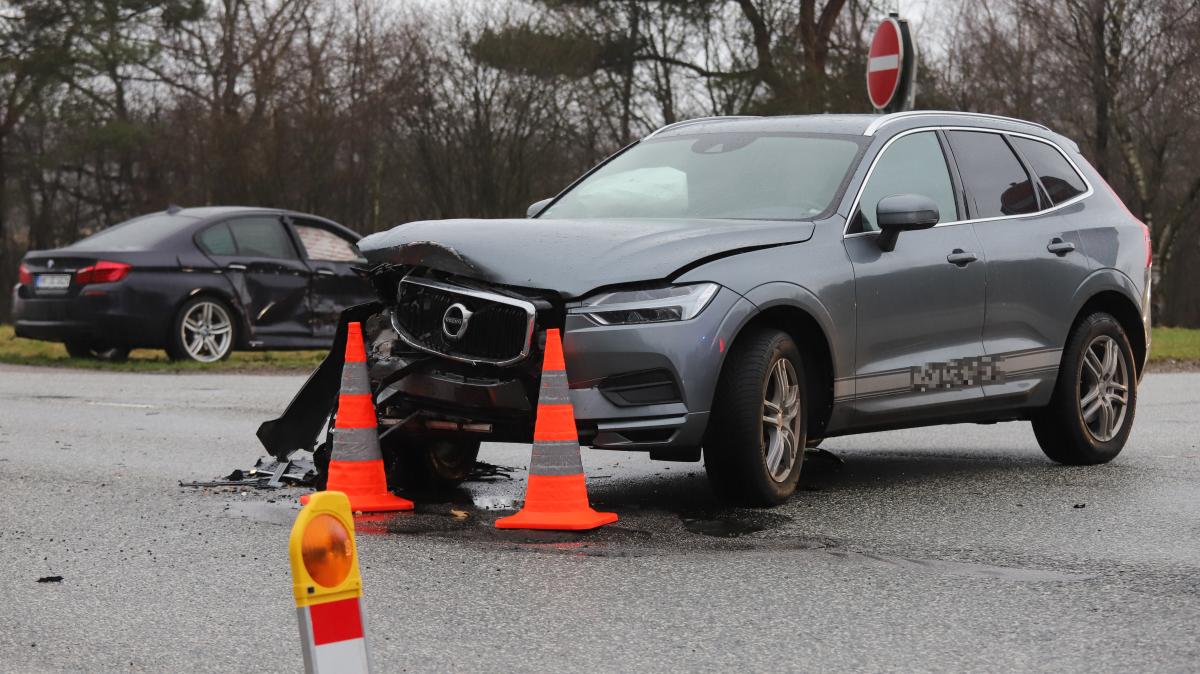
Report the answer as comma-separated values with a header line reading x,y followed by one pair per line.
x,y
307,415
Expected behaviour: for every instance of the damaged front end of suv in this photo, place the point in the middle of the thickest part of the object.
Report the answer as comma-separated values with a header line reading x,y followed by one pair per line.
x,y
454,345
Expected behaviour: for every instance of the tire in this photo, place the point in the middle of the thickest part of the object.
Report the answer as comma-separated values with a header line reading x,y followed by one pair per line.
x,y
738,445
112,354
79,350
1075,428
430,465
207,319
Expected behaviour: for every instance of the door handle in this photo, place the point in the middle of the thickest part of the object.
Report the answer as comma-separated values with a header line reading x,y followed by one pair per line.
x,y
960,258
235,267
1060,247
326,272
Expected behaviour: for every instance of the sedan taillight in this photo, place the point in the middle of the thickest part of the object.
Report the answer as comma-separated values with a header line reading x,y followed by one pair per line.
x,y
102,272
23,276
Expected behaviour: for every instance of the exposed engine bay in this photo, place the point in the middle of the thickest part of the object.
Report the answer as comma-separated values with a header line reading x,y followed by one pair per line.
x,y
452,357
434,382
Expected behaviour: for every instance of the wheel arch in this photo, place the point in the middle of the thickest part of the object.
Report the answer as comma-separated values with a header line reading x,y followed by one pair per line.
x,y
1112,292
795,311
1126,313
243,334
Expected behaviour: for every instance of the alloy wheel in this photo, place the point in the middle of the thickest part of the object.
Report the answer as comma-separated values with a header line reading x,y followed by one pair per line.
x,y
207,332
1104,388
781,419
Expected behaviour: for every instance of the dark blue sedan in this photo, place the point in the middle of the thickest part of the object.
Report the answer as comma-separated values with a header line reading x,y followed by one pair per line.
x,y
198,282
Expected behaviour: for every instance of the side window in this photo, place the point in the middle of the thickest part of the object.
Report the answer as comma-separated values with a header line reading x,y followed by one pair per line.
x,y
1057,175
262,237
322,244
992,174
914,164
217,240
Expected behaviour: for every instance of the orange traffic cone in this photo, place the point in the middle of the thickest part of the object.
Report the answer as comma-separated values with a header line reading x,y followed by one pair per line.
x,y
356,466
556,495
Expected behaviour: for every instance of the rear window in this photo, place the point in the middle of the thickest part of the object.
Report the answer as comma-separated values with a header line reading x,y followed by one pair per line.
x,y
992,174
1057,175
143,233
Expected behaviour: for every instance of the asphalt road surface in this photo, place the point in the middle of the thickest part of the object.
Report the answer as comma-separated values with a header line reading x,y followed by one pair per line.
x,y
955,548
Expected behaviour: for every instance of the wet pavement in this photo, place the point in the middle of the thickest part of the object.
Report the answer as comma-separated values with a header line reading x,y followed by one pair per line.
x,y
956,548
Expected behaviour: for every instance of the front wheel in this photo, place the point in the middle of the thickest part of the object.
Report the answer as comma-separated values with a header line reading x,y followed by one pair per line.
x,y
434,465
1091,414
757,429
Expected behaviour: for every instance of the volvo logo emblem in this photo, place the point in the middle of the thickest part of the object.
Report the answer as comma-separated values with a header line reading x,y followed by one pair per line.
x,y
455,320
49,264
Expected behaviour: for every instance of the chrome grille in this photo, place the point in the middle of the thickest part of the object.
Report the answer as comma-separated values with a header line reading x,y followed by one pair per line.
x,y
498,331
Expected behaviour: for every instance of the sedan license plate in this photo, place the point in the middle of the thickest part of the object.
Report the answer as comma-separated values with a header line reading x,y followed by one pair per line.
x,y
53,281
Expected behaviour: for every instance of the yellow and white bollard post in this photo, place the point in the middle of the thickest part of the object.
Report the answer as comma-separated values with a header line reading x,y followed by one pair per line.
x,y
328,586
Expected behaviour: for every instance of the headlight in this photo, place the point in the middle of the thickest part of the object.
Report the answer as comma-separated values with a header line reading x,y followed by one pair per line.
x,y
650,305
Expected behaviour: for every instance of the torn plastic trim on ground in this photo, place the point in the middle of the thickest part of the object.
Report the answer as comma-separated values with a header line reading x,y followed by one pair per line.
x,y
267,473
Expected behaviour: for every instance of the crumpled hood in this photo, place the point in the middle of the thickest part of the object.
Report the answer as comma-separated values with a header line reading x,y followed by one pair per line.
x,y
573,257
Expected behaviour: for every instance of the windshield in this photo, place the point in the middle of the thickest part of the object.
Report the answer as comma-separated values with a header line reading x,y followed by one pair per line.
x,y
141,233
761,176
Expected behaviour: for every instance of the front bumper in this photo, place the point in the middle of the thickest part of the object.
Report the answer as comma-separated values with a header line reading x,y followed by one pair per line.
x,y
636,387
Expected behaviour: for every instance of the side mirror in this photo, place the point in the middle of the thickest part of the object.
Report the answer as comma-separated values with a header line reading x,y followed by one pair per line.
x,y
901,213
536,207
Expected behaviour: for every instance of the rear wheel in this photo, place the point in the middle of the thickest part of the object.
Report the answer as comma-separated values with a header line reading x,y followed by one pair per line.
x,y
202,331
756,435
1091,414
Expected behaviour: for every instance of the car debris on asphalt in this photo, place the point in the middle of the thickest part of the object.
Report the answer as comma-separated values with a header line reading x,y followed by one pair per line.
x,y
267,473
270,473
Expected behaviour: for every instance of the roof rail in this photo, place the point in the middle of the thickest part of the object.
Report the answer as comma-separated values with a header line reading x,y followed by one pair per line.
x,y
887,119
697,120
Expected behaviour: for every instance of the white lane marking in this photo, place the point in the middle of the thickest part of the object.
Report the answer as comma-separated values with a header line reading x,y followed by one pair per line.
x,y
138,406
877,63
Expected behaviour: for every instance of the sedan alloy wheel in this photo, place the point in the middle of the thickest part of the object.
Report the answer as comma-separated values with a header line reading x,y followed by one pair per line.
x,y
206,331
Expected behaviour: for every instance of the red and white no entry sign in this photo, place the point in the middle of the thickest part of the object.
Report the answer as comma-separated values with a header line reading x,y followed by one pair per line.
x,y
885,63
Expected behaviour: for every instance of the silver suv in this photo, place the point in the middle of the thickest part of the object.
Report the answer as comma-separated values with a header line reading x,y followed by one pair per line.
x,y
745,287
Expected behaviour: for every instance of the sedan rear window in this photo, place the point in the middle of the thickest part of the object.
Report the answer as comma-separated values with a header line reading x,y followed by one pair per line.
x,y
143,233
716,176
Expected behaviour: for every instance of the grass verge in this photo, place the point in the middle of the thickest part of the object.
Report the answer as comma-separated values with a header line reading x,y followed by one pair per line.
x,y
1173,348
18,351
